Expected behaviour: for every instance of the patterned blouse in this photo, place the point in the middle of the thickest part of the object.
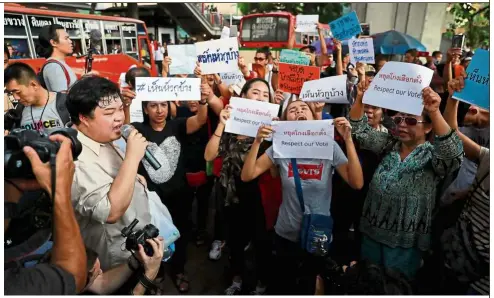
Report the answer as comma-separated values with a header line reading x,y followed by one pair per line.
x,y
402,194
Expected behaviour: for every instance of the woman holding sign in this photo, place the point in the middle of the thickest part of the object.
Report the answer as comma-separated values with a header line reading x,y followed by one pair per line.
x,y
396,218
315,177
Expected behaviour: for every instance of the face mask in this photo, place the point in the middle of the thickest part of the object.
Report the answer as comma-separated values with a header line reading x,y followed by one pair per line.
x,y
352,79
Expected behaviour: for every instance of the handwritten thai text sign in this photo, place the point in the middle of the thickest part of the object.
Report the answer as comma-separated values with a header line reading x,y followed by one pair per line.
x,y
183,58
345,27
136,111
476,91
398,86
292,77
307,23
168,89
294,57
247,115
303,139
361,50
332,90
218,56
230,78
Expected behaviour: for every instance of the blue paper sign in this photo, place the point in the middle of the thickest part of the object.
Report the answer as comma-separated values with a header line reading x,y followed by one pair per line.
x,y
346,27
294,57
476,91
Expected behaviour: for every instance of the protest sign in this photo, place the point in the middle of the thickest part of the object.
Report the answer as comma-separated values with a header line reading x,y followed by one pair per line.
x,y
247,115
345,27
398,86
476,91
218,56
225,33
294,57
230,78
168,89
303,139
136,111
292,77
307,23
332,90
361,50
183,58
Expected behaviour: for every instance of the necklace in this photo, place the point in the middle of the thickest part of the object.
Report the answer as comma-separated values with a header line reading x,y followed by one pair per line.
x,y
42,112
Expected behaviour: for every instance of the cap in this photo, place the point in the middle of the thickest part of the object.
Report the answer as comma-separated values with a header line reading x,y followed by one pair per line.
x,y
370,69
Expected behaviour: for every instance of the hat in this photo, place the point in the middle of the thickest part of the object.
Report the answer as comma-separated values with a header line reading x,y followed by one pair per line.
x,y
370,69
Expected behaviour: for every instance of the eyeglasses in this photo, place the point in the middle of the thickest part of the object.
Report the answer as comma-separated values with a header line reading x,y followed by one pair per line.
x,y
259,59
408,120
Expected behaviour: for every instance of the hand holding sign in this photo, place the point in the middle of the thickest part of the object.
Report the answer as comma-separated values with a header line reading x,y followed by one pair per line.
x,y
343,127
361,88
225,114
264,132
456,85
431,100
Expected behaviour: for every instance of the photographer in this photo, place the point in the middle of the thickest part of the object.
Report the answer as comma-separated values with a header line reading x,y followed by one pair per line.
x,y
66,272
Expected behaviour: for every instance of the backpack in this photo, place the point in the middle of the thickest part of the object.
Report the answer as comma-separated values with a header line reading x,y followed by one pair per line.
x,y
41,79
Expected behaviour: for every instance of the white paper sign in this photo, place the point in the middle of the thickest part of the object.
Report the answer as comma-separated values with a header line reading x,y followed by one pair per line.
x,y
225,33
332,90
398,86
247,115
218,56
183,58
361,50
168,89
303,139
307,23
230,78
136,111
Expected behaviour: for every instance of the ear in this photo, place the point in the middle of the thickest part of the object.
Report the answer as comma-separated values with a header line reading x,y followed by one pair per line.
x,y
84,120
53,43
427,128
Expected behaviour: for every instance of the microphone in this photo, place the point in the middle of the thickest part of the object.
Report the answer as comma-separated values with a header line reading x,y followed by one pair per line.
x,y
126,129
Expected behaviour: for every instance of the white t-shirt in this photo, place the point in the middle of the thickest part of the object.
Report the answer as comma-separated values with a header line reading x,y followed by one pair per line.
x,y
158,54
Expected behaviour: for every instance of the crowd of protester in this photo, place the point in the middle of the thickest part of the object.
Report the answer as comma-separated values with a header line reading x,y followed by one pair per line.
x,y
409,202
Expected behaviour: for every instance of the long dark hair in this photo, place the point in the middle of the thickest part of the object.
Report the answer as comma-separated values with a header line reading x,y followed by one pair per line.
x,y
249,83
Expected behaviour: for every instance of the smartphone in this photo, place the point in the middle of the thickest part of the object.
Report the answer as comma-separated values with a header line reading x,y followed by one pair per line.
x,y
458,41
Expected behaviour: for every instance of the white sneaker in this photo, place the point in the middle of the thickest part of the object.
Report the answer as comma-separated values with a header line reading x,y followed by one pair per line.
x,y
234,289
216,249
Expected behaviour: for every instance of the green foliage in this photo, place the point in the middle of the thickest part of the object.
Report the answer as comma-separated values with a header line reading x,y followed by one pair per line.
x,y
474,18
327,11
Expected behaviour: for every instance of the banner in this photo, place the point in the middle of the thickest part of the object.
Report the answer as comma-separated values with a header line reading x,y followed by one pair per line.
x,y
218,56
398,86
247,115
331,90
303,139
346,27
307,23
476,91
292,77
183,58
168,89
294,57
361,50
231,78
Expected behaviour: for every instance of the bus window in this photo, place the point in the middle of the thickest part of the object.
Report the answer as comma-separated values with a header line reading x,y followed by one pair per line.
x,y
36,23
112,30
20,48
130,38
16,36
145,57
265,29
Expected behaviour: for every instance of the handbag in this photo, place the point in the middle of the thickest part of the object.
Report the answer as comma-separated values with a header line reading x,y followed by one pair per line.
x,y
196,179
316,229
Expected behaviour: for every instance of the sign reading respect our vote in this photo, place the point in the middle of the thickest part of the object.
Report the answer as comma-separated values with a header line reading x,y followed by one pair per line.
x,y
331,90
247,115
168,89
307,23
303,139
361,50
292,77
476,91
346,27
183,58
398,86
218,56
294,57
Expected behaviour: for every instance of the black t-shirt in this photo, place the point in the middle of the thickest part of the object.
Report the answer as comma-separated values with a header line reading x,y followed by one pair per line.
x,y
43,279
195,144
171,141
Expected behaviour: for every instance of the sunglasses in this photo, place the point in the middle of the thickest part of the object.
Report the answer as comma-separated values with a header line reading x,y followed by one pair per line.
x,y
408,120
259,59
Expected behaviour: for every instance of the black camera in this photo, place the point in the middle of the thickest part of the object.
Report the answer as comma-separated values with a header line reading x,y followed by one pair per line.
x,y
139,237
17,164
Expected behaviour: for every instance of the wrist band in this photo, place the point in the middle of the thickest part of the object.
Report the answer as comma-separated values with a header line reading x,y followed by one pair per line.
x,y
148,284
217,135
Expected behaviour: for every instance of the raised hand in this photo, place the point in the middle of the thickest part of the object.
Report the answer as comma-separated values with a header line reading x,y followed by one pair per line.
x,y
343,127
263,132
225,114
431,100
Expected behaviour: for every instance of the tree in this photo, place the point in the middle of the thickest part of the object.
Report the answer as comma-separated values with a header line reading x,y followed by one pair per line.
x,y
327,11
474,19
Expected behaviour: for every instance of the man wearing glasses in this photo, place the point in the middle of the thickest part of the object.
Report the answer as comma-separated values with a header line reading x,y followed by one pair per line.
x,y
262,58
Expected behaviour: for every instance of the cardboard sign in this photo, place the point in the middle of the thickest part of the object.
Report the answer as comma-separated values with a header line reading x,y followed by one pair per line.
x,y
292,77
346,27
218,56
183,58
331,90
303,139
231,78
294,57
168,89
247,115
361,50
398,86
136,111
307,23
476,91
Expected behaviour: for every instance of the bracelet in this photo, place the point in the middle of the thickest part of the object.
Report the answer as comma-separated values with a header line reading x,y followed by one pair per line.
x,y
217,135
146,283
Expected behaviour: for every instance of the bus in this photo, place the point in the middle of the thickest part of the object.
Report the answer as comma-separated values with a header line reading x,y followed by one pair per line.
x,y
124,41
